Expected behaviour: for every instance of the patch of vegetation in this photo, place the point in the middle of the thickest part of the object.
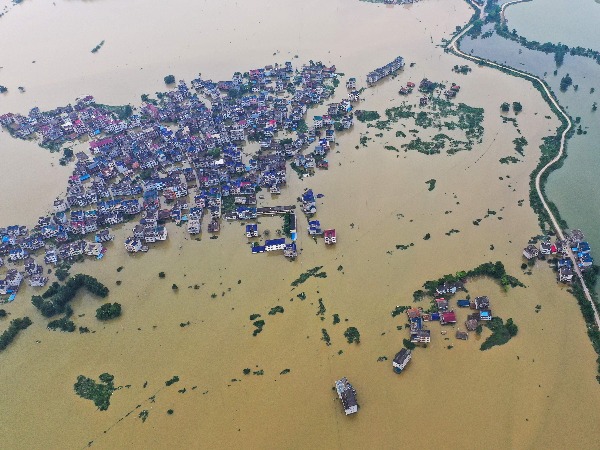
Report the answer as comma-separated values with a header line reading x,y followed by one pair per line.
x,y
325,337
501,332
62,324
15,326
99,393
285,372
108,311
352,335
495,271
404,247
464,70
431,184
161,275
392,148
509,160
259,324
247,371
254,316
566,82
98,47
336,319
169,79
399,310
314,272
144,415
56,298
520,143
427,237
367,116
322,308
407,344
173,380
275,310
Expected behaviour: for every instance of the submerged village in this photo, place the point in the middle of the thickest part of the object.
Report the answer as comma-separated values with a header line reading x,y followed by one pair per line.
x,y
180,158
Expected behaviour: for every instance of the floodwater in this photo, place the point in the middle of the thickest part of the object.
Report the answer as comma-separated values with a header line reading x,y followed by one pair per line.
x,y
572,188
574,23
516,396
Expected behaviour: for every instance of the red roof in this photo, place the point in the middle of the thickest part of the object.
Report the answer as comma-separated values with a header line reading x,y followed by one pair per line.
x,y
448,317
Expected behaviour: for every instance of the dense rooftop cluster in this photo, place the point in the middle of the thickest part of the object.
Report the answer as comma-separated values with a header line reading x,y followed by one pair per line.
x,y
178,157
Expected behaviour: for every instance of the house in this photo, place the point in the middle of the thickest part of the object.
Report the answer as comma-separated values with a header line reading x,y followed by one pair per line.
x,y
442,304
347,395
485,315
290,251
416,324
530,252
51,257
448,317
545,248
413,312
330,236
583,248
449,287
482,303
565,274
258,249
193,226
420,337
471,324
252,230
275,244
463,303
584,261
463,335
37,280
401,359
314,228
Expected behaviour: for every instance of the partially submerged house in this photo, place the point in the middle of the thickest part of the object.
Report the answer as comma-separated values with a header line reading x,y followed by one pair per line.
x,y
347,395
401,359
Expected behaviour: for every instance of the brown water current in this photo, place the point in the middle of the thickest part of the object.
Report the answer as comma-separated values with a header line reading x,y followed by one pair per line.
x,y
537,391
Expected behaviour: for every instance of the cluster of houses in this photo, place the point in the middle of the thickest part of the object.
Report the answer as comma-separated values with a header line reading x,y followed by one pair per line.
x,y
572,249
426,87
385,71
178,157
446,315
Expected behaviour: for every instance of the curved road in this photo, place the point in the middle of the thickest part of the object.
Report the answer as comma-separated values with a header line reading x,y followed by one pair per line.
x,y
453,47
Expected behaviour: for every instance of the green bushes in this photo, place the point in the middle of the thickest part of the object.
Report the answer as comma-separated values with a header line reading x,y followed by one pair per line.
x,y
56,298
501,333
99,393
62,324
15,326
108,311
352,335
